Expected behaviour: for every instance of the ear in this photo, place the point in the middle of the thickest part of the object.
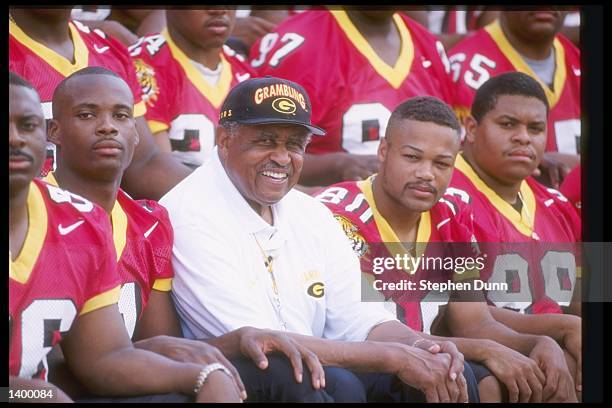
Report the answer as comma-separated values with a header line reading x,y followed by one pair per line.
x,y
141,126
222,139
383,149
470,129
136,135
53,132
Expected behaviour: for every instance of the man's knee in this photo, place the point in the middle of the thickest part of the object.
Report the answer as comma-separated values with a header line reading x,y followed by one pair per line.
x,y
343,385
277,382
475,374
490,389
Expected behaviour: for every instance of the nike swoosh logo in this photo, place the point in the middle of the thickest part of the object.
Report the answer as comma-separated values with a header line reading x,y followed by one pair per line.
x,y
100,50
70,228
243,77
146,234
441,223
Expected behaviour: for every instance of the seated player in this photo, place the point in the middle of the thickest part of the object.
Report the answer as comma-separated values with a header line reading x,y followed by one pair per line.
x,y
45,46
357,65
64,286
94,125
529,42
185,73
535,227
405,204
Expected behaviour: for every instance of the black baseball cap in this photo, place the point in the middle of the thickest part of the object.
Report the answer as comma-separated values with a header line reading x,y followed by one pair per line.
x,y
268,99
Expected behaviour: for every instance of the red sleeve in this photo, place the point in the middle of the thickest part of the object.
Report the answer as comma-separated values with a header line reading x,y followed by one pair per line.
x,y
160,242
573,219
154,74
570,187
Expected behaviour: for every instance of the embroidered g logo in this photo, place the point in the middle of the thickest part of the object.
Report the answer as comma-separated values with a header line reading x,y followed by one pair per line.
x,y
284,105
316,290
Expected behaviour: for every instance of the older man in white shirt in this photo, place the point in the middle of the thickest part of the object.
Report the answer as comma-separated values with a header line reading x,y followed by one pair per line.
x,y
250,251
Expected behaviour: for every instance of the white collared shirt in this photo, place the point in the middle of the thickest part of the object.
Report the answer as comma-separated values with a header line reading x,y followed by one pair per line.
x,y
221,282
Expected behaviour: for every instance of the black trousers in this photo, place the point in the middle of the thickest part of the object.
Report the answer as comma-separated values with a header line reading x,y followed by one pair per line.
x,y
277,384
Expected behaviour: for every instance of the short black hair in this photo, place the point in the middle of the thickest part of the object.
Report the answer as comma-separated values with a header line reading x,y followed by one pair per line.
x,y
425,109
16,80
509,83
92,71
85,71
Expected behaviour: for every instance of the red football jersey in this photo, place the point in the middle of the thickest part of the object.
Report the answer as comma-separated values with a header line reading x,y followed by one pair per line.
x,y
371,236
488,53
143,238
541,276
352,90
45,68
570,187
66,268
179,99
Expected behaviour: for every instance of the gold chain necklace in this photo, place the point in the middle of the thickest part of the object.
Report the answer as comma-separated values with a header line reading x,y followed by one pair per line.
x,y
268,262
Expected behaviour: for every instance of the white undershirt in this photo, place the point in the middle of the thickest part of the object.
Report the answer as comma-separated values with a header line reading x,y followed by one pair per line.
x,y
211,76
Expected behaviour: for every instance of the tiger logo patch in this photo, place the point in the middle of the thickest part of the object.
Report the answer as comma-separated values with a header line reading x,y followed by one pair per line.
x,y
359,244
146,78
